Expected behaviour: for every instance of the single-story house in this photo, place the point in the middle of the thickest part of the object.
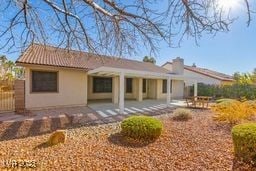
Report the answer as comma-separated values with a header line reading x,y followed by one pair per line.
x,y
57,77
203,75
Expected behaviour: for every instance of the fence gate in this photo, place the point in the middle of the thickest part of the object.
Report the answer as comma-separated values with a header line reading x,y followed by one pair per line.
x,y
7,101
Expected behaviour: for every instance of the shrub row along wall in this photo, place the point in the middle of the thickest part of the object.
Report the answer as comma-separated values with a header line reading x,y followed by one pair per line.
x,y
235,91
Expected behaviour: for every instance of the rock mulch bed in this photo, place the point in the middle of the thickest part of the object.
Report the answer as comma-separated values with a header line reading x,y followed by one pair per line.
x,y
198,144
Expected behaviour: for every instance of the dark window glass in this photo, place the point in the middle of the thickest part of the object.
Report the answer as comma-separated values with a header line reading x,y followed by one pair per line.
x,y
102,84
164,86
128,85
171,87
144,85
44,81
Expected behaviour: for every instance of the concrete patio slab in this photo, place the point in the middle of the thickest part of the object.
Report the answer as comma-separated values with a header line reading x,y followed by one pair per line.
x,y
38,122
107,109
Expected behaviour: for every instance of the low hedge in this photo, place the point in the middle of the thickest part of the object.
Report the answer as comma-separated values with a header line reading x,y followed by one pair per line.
x,y
244,139
141,127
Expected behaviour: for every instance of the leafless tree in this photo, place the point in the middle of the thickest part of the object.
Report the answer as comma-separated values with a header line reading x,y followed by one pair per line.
x,y
115,26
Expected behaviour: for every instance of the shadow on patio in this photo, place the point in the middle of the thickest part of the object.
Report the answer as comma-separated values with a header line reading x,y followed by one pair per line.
x,y
39,122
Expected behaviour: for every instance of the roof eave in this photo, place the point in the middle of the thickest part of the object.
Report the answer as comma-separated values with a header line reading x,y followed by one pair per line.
x,y
24,64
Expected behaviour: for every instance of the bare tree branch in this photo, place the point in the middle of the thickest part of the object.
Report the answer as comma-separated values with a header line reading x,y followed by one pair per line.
x,y
110,26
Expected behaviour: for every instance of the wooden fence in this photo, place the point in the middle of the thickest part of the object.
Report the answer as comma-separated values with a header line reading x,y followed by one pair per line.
x,y
7,100
19,87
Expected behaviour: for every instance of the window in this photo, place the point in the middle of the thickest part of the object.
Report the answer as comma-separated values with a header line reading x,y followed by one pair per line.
x,y
43,81
102,84
128,85
164,86
144,85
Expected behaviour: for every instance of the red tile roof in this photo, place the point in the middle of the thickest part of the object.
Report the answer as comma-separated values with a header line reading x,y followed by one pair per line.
x,y
207,72
52,56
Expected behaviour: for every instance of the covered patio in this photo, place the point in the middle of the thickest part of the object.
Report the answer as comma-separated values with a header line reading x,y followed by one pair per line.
x,y
107,108
156,100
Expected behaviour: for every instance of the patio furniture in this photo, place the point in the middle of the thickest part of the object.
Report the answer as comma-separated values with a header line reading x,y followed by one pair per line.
x,y
198,101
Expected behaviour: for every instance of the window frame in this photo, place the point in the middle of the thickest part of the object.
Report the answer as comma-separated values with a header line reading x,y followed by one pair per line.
x,y
131,84
144,86
43,92
164,80
98,77
164,86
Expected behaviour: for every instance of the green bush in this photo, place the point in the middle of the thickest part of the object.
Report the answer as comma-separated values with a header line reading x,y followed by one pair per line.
x,y
225,100
234,91
182,115
244,140
142,127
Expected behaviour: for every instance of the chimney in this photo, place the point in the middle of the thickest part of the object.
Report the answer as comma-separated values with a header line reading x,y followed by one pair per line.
x,y
178,65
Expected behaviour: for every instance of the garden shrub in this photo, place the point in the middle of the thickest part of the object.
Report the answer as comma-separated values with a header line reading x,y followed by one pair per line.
x,y
252,104
234,91
141,127
233,112
225,100
182,115
244,140
57,137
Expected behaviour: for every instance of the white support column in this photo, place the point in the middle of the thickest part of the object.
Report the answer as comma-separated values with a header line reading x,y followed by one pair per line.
x,y
121,93
115,89
158,89
195,88
168,96
139,89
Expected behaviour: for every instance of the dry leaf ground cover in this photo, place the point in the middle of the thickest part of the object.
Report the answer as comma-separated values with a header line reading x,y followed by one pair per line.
x,y
198,144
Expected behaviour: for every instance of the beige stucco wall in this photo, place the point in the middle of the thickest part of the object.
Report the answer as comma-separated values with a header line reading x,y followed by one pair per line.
x,y
74,90
177,89
71,89
159,93
201,78
177,85
152,89
134,89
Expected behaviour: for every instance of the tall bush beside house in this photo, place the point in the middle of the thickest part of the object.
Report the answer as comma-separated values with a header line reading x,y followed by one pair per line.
x,y
244,140
233,112
234,91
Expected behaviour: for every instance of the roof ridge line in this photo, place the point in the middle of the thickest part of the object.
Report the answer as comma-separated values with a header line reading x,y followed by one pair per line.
x,y
100,55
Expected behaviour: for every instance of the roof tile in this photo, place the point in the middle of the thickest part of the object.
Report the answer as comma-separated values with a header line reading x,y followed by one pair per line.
x,y
48,55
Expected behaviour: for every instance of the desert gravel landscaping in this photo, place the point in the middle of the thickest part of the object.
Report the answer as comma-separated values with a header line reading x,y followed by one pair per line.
x,y
198,144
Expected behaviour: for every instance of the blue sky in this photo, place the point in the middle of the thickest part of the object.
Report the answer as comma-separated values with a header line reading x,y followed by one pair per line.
x,y
226,52
229,52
